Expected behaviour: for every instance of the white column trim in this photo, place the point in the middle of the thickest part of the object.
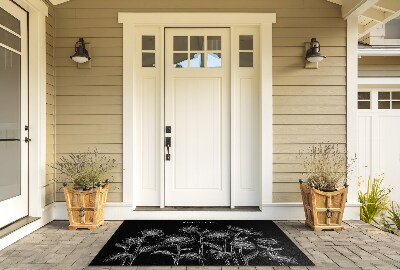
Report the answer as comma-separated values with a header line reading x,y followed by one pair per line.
x,y
131,153
352,88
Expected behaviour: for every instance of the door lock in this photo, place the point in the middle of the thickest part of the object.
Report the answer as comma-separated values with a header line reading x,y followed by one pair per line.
x,y
168,145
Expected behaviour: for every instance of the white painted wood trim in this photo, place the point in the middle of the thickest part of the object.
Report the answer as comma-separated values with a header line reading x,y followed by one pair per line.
x,y
193,19
37,12
131,153
266,113
47,216
378,80
379,52
270,211
352,89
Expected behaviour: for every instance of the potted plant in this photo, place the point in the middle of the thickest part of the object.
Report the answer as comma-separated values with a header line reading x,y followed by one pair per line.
x,y
86,198
324,192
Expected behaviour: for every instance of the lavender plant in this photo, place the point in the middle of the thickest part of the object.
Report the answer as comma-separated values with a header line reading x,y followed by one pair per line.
x,y
326,167
85,169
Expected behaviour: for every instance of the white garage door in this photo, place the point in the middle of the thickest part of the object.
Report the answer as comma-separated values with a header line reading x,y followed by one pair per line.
x,y
379,136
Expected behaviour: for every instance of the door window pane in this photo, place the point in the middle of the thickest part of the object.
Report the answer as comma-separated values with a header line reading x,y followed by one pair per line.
x,y
214,43
384,105
246,42
364,95
245,59
148,59
180,43
396,95
197,60
364,105
384,95
10,40
10,21
10,123
214,60
180,60
196,43
148,43
396,105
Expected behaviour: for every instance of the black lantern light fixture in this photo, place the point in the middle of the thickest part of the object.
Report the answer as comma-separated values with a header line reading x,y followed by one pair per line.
x,y
313,54
81,54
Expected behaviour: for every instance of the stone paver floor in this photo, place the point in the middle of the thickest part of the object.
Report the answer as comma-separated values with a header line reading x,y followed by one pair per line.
x,y
358,246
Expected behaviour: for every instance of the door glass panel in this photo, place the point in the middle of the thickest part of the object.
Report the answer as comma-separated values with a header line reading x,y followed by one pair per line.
x,y
148,59
148,43
214,60
180,60
396,105
214,43
396,95
246,42
10,40
196,43
364,95
383,105
245,59
364,105
10,123
9,21
384,95
180,43
197,60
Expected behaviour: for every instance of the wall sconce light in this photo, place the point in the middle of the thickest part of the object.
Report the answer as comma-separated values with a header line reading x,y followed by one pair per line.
x,y
313,55
81,54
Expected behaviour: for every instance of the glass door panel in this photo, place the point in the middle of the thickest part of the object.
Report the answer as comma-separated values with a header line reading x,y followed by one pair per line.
x,y
10,124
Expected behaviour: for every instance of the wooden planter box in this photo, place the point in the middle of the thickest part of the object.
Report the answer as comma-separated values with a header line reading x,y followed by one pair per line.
x,y
86,208
323,210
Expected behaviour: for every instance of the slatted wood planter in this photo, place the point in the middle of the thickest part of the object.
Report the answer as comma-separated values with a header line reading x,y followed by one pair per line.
x,y
323,210
86,208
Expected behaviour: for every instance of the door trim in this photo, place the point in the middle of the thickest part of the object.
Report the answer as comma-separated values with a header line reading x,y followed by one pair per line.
x,y
131,117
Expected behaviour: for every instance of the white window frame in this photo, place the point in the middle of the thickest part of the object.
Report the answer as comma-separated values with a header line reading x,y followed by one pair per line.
x,y
131,152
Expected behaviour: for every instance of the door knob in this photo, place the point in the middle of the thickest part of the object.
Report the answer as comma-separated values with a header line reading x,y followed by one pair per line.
x,y
27,139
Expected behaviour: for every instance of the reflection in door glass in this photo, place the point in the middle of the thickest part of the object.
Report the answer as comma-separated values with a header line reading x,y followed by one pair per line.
x,y
197,60
10,138
180,60
214,43
196,43
214,60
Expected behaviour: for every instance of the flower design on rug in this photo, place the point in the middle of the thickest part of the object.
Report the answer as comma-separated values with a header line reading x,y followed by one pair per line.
x,y
193,244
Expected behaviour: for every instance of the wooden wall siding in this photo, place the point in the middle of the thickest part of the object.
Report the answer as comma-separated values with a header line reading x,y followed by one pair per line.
x,y
49,186
379,66
309,105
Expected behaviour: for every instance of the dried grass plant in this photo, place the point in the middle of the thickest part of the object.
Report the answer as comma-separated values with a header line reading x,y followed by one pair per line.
x,y
85,169
325,167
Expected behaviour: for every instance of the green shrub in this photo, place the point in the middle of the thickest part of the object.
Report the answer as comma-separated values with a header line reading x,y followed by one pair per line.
x,y
374,200
393,214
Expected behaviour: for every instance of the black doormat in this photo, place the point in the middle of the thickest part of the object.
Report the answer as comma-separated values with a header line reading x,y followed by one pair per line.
x,y
172,242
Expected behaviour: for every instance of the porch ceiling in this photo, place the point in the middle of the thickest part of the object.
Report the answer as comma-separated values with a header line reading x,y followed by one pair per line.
x,y
371,13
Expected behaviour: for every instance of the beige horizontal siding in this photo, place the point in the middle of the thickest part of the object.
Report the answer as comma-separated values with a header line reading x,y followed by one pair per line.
x,y
309,104
49,186
379,66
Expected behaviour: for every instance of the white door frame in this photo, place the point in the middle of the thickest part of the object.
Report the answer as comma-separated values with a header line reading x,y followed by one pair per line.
x,y
131,145
37,12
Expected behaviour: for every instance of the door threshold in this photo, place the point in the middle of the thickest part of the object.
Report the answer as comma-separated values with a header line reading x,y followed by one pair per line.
x,y
205,208
9,229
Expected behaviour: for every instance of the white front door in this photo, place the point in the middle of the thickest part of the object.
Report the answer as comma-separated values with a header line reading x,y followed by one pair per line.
x,y
13,113
379,133
197,110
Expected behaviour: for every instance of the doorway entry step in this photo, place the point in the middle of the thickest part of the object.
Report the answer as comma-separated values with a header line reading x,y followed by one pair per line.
x,y
16,226
208,208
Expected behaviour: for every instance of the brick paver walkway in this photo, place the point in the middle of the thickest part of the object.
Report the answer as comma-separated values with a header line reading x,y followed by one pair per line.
x,y
358,246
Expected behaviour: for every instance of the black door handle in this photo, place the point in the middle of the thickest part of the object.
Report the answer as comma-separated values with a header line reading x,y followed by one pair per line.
x,y
168,145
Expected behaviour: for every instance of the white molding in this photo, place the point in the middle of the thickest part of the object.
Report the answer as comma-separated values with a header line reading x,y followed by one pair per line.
x,y
352,89
47,216
131,145
270,211
378,80
379,52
